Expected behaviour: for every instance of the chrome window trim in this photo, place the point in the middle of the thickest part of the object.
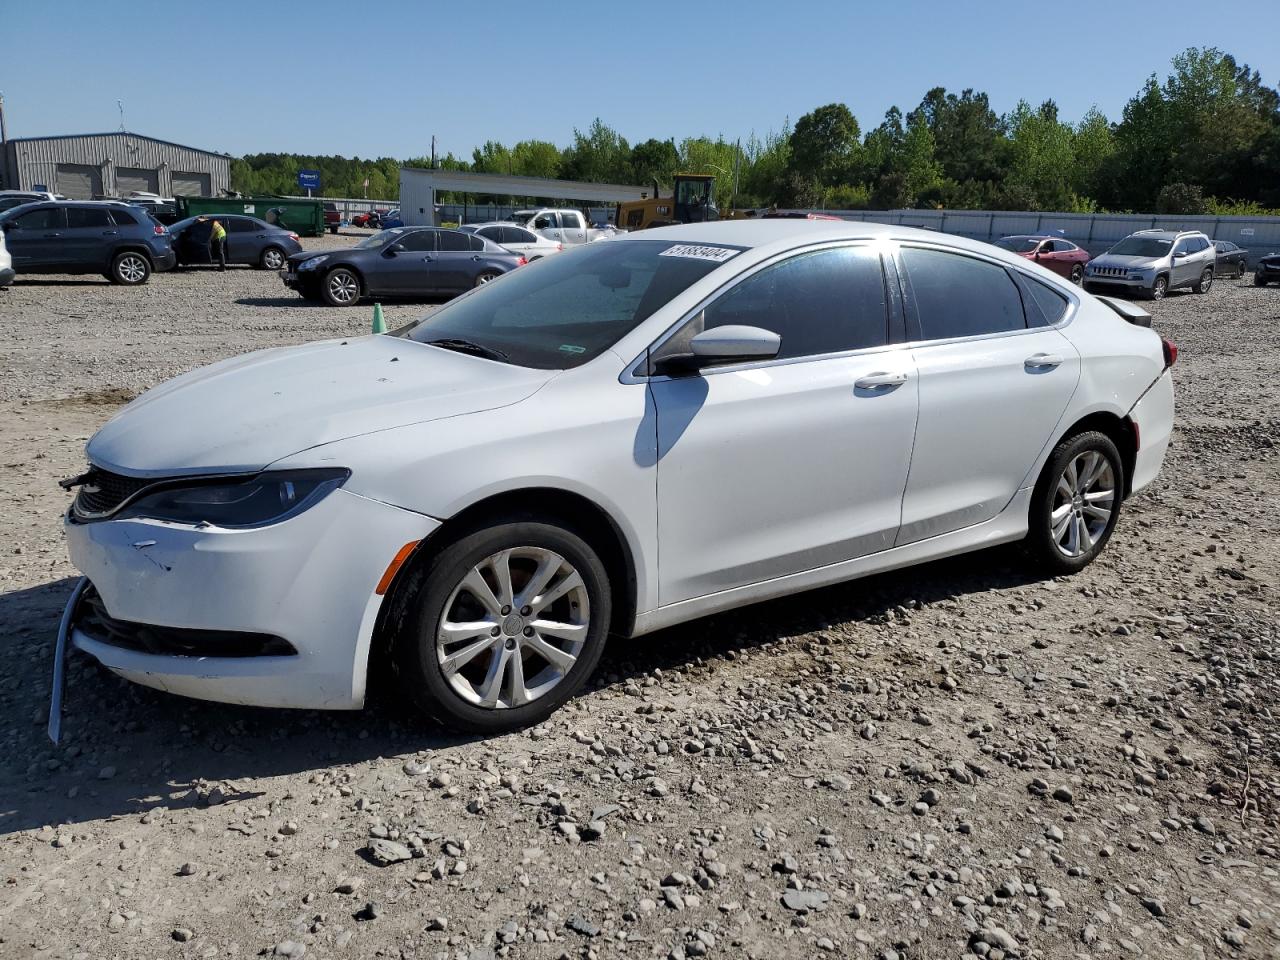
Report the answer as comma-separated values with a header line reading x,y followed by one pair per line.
x,y
1073,297
629,375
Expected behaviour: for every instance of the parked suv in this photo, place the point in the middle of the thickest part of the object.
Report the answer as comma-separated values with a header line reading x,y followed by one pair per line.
x,y
1153,262
122,242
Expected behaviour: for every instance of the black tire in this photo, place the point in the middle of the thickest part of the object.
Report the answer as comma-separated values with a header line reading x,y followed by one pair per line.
x,y
1077,273
486,277
1159,289
415,661
1259,280
1205,283
130,268
333,229
272,259
1040,543
341,287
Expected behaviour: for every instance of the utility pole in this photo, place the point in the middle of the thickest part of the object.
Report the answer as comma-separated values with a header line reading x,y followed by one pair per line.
x,y
433,151
4,146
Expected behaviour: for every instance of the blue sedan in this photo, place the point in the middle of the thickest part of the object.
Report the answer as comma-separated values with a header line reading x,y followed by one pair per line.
x,y
249,241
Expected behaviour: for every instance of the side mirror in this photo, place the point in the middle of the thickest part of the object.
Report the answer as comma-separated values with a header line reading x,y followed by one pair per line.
x,y
394,248
1179,254
721,345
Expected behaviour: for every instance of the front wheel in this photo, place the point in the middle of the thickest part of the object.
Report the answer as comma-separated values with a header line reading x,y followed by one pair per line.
x,y
272,258
1258,279
1205,282
1159,288
341,288
1077,273
1076,503
333,229
503,626
130,269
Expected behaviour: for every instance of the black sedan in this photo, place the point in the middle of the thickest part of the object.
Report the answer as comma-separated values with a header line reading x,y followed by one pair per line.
x,y
1232,261
249,240
404,262
1267,270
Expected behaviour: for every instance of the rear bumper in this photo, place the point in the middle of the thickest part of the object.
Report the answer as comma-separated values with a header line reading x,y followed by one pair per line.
x,y
163,260
1153,416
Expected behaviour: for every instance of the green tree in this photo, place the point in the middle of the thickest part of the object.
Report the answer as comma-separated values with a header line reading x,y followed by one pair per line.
x,y
601,155
825,145
655,160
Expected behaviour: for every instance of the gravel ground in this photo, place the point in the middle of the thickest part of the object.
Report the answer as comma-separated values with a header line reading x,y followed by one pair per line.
x,y
955,760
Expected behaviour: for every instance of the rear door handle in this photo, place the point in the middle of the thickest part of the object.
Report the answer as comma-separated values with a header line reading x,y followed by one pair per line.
x,y
1041,361
877,381
427,259
477,257
111,233
53,234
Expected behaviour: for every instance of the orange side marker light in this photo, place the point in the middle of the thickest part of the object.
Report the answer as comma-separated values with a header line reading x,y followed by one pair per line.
x,y
394,567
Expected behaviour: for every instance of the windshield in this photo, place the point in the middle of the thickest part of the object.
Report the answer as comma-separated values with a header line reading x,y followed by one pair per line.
x,y
1019,244
568,309
1141,247
379,238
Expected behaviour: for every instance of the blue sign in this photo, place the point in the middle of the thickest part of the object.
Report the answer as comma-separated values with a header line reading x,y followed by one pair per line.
x,y
39,188
309,179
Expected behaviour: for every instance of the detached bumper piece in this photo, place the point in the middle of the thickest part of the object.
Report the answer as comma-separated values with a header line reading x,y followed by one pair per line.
x,y
90,617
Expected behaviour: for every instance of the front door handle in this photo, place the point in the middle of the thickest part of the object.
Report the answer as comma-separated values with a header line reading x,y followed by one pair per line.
x,y
53,235
427,259
111,233
476,258
1042,361
880,380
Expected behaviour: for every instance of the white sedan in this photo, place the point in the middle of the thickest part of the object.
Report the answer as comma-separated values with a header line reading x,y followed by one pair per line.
x,y
632,435
533,246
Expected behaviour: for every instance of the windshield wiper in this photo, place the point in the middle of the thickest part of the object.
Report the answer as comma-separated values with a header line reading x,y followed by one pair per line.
x,y
467,346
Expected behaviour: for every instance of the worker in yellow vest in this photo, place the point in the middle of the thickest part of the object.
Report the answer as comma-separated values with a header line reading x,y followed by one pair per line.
x,y
218,245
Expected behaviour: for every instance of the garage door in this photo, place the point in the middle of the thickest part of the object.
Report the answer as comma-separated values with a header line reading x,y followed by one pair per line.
x,y
79,181
129,179
190,184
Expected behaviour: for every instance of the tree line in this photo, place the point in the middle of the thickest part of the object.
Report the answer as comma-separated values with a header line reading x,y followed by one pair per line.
x,y
1206,139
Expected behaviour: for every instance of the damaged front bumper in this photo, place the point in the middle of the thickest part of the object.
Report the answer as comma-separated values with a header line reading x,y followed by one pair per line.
x,y
276,616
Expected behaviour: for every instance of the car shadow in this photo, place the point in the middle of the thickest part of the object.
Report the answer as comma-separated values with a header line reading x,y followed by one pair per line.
x,y
29,281
168,751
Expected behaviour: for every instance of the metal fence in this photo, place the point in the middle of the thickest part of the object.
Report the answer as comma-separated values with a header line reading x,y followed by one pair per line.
x,y
1096,232
348,207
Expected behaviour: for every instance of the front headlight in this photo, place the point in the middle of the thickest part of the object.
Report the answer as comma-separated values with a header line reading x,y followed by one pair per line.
x,y
313,262
251,502
1137,274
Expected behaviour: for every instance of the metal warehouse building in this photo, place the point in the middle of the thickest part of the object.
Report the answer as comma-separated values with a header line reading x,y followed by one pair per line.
x,y
112,165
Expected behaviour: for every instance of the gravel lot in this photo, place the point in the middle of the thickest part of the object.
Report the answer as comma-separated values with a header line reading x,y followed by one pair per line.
x,y
955,760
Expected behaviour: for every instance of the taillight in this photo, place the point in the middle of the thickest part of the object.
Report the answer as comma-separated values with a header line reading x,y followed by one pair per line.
x,y
521,262
560,247
294,236
1170,352
159,229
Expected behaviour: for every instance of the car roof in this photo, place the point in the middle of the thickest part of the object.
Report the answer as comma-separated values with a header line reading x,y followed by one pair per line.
x,y
1166,234
784,233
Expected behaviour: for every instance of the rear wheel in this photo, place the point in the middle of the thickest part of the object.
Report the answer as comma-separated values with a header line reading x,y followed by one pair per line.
x,y
341,288
333,229
1205,282
130,268
272,258
487,277
1077,273
504,625
1258,279
1076,503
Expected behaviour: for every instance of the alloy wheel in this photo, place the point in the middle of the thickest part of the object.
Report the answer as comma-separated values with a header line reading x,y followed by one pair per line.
x,y
1159,288
131,269
513,628
273,259
343,287
1077,273
1082,503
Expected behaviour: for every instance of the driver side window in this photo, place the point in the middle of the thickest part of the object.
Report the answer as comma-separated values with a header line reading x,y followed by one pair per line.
x,y
421,241
828,301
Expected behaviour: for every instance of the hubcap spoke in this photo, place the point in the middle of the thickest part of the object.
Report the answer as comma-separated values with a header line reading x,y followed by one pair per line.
x,y
519,694
491,689
1059,514
547,567
456,661
563,631
553,655
572,581
1097,513
476,586
501,567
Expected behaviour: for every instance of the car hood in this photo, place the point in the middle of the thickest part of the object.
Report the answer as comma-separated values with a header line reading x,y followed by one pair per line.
x,y
242,414
1131,263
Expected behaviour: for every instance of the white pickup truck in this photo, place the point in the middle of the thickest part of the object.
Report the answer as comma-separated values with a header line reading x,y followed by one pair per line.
x,y
563,225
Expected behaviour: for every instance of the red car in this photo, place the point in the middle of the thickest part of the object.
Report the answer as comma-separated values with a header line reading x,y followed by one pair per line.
x,y
332,219
1053,253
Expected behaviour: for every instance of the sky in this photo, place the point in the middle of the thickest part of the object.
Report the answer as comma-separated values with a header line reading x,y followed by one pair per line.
x,y
379,78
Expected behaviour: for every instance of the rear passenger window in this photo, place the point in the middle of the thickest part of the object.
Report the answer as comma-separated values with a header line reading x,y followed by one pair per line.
x,y
490,233
451,240
1045,306
124,218
516,235
959,296
88,217
474,242
241,226
824,302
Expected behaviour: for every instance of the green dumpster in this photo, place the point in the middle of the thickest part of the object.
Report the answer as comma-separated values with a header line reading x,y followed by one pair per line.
x,y
303,217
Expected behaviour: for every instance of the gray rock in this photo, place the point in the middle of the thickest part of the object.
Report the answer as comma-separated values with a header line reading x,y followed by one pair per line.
x,y
580,924
187,870
1064,794
291,949
438,923
805,901
1154,907
183,934
370,911
386,852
